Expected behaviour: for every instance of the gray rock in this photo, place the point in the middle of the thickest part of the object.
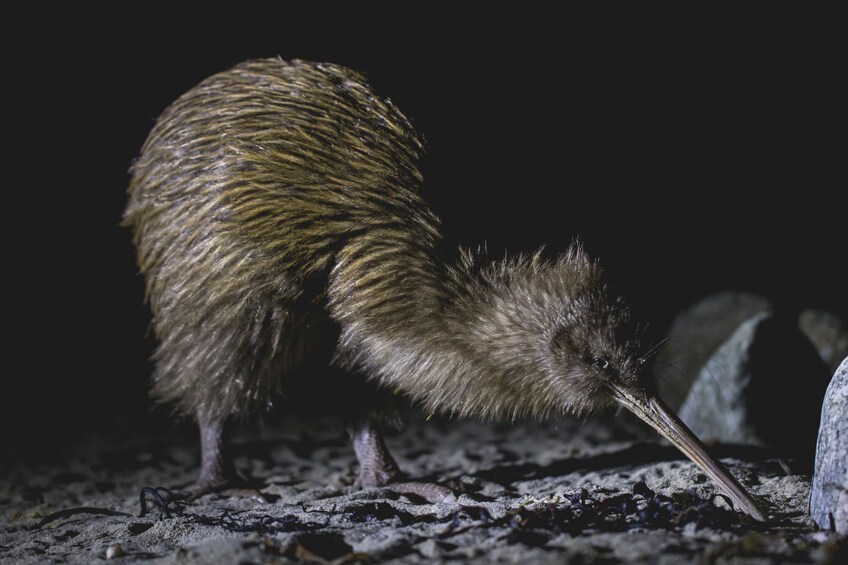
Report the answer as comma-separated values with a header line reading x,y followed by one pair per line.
x,y
695,334
828,333
715,408
763,386
829,494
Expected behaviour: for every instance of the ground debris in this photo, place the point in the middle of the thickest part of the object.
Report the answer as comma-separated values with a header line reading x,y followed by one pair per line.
x,y
642,509
73,511
261,524
505,518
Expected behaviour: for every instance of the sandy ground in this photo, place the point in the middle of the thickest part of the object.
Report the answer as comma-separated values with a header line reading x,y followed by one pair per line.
x,y
528,493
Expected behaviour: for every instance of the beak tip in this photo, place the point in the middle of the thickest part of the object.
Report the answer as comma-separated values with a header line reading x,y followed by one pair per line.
x,y
758,514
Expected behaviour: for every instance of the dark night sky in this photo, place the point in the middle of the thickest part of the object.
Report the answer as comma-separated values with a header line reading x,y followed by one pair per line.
x,y
689,162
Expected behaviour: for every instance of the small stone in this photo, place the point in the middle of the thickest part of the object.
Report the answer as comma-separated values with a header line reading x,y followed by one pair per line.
x,y
695,334
114,551
429,549
828,333
829,493
763,386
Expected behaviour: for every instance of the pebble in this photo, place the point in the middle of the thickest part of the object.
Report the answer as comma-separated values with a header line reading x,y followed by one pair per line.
x,y
114,551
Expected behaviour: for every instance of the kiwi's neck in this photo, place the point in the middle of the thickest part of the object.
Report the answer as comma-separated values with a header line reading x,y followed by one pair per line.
x,y
389,295
466,339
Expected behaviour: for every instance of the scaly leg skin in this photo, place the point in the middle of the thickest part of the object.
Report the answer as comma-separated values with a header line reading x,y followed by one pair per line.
x,y
377,467
217,473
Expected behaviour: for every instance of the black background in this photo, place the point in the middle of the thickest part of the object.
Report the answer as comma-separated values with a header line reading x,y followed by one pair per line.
x,y
690,158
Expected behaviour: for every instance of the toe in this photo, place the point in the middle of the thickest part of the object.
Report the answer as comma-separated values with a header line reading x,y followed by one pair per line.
x,y
431,492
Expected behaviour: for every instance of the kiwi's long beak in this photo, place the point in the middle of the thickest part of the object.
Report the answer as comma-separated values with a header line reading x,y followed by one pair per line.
x,y
661,418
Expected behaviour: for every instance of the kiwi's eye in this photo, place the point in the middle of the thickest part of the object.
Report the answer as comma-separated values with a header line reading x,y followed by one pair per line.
x,y
600,363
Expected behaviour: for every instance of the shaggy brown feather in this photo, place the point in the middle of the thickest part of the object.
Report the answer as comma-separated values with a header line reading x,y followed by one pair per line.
x,y
278,219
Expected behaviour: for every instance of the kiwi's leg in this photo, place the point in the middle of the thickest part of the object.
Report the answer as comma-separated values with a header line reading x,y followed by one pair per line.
x,y
377,467
217,472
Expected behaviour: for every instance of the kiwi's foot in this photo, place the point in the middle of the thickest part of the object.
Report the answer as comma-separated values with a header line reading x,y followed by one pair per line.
x,y
217,472
392,479
377,467
431,492
225,489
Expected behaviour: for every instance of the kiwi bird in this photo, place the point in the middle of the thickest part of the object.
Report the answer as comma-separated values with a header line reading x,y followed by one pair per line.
x,y
277,214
